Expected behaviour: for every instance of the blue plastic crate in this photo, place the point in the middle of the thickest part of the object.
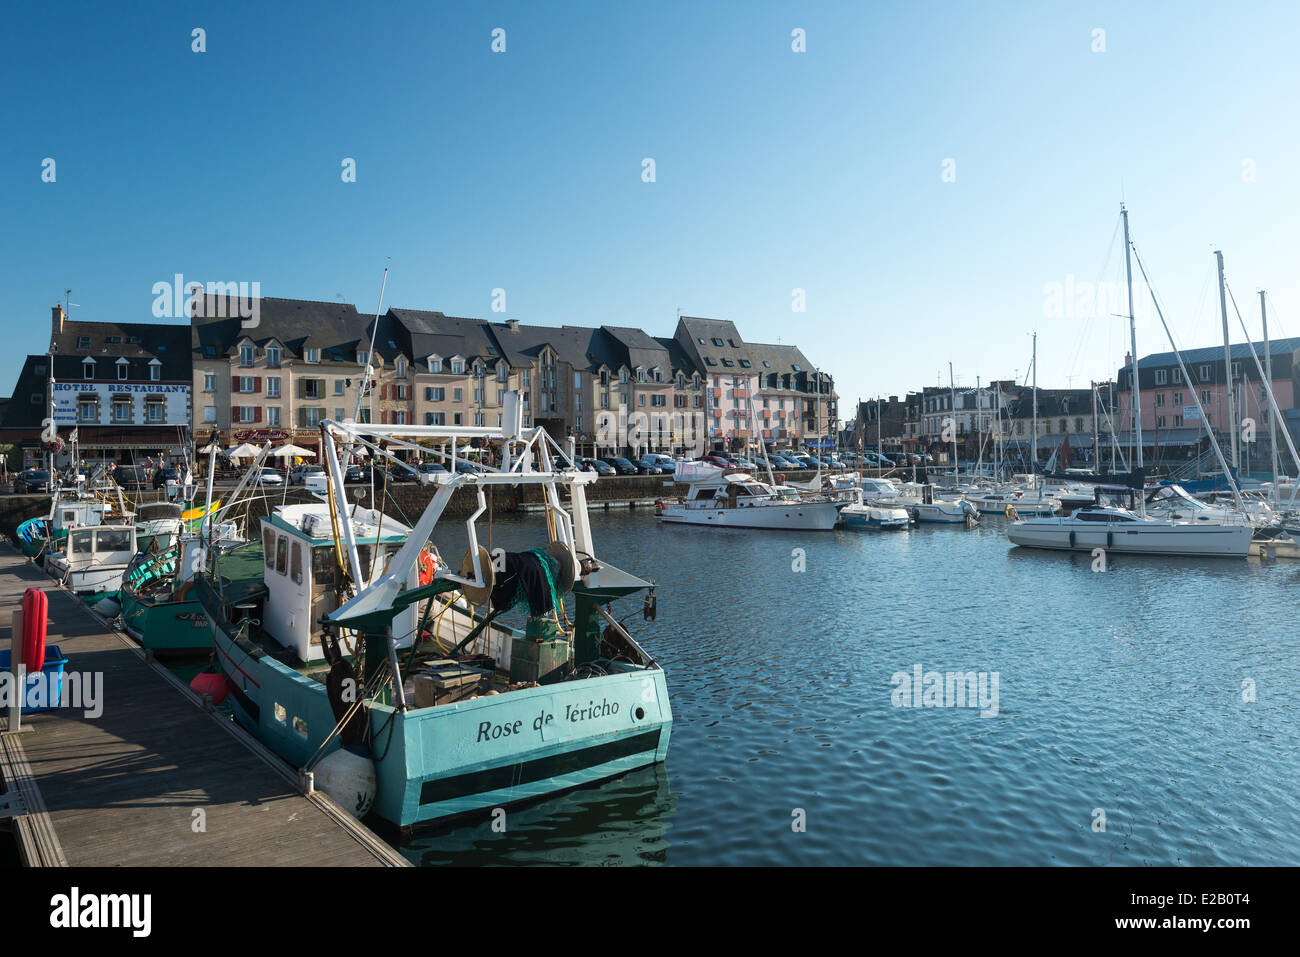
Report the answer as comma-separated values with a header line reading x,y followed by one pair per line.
x,y
52,672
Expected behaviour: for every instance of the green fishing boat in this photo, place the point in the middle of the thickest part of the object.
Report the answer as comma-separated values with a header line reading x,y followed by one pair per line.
x,y
390,679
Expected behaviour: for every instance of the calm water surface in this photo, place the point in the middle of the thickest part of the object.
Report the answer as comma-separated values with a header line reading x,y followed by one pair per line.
x,y
1119,691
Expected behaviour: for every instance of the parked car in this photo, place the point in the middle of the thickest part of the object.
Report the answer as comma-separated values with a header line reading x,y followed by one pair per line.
x,y
718,459
164,475
654,464
597,466
619,464
433,468
298,474
356,473
132,478
270,476
31,480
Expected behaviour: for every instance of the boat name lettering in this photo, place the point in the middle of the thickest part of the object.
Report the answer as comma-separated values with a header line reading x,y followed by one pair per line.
x,y
491,731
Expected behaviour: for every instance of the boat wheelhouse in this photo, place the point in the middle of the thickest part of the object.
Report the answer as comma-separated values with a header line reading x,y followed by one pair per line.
x,y
94,558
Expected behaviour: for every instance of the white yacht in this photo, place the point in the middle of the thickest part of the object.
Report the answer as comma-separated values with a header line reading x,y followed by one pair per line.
x,y
738,500
1120,530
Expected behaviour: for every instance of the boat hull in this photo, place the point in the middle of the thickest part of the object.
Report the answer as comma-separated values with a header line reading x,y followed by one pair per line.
x,y
874,517
175,626
1214,541
452,759
815,516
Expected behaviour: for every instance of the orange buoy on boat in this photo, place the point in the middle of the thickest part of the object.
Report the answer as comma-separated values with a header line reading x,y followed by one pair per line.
x,y
427,567
36,613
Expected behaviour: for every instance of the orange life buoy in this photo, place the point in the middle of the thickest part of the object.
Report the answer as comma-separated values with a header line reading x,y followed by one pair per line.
x,y
36,608
427,567
660,506
183,592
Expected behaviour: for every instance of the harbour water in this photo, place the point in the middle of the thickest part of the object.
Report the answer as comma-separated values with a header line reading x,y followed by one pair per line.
x,y
1118,693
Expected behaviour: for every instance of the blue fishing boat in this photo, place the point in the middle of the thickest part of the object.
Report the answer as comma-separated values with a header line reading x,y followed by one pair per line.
x,y
367,661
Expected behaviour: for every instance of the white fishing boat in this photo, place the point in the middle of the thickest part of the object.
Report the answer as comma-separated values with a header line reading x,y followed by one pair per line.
x,y
94,558
738,500
160,523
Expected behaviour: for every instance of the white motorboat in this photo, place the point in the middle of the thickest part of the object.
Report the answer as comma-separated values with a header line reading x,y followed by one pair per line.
x,y
737,500
862,513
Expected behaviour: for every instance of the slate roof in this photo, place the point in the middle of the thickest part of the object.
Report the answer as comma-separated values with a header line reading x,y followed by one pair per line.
x,y
137,342
335,328
1240,352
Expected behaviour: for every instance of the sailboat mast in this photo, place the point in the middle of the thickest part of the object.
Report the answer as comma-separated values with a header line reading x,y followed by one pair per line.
x,y
1227,368
1268,374
952,401
1133,345
1033,432
1096,454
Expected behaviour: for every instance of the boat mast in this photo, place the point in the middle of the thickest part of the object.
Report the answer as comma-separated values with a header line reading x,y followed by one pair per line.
x,y
1033,431
370,356
1268,375
1227,368
1133,346
1096,455
952,399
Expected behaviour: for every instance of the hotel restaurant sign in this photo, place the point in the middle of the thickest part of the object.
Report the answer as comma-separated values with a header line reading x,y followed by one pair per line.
x,y
176,402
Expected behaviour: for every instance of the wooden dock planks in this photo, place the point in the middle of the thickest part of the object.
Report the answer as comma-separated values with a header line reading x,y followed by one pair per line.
x,y
124,788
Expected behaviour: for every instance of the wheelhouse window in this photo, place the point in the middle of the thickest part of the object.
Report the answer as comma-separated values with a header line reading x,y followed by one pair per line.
x,y
281,555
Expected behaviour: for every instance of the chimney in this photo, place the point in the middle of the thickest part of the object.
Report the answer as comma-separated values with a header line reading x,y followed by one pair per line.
x,y
58,315
513,324
1128,358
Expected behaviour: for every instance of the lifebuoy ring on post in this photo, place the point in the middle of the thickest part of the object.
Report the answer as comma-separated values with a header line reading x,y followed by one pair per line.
x,y
427,567
36,613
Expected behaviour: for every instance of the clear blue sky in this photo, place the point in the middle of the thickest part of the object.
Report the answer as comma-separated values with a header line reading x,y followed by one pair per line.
x,y
775,170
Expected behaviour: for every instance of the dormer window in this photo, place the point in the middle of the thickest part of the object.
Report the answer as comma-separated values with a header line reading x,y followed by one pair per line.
x,y
155,370
478,370
363,359
122,366
83,342
88,368
273,357
401,367
246,353
503,372
622,376
311,355
457,367
435,364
